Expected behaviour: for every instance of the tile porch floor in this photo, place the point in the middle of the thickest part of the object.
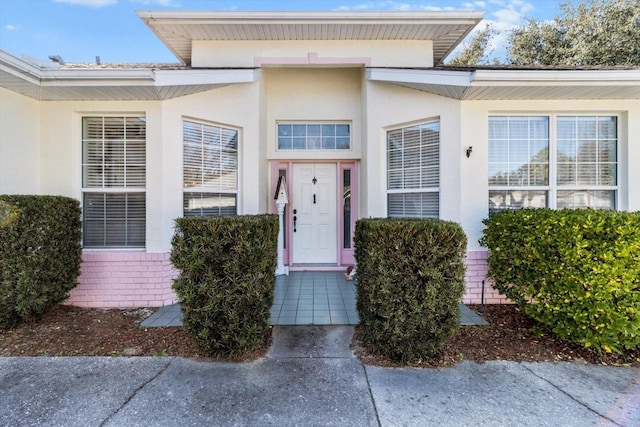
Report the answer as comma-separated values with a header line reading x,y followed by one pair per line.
x,y
306,298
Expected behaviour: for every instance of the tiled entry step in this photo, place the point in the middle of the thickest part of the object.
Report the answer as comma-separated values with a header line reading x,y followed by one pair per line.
x,y
306,298
314,298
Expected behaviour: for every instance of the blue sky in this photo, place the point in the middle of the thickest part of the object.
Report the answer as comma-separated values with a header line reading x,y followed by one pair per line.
x,y
79,30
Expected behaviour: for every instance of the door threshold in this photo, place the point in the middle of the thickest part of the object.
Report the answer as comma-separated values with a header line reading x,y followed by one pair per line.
x,y
316,267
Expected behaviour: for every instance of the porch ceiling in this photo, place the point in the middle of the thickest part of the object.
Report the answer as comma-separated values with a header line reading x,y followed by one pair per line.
x,y
516,84
53,83
177,29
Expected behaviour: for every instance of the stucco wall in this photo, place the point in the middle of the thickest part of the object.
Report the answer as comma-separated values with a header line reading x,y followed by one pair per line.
x,y
376,53
306,95
19,144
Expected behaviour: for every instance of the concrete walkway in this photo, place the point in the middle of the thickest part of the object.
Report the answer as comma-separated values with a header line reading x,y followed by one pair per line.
x,y
310,378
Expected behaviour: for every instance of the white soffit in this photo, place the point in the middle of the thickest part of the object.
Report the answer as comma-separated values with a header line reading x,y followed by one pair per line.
x,y
51,84
177,29
516,84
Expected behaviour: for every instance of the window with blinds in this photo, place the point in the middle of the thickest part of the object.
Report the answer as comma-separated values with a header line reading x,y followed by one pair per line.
x,y
113,181
573,167
413,171
518,162
587,162
210,169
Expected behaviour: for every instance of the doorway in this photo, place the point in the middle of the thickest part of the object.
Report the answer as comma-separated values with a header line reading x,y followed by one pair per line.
x,y
314,213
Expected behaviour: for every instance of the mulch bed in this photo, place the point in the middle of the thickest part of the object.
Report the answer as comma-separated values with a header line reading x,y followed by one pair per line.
x,y
74,331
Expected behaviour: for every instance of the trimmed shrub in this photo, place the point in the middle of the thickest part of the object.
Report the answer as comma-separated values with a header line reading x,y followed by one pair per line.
x,y
40,255
577,271
410,281
227,280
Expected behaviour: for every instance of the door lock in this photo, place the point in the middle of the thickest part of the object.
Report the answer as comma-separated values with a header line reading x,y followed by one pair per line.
x,y
295,218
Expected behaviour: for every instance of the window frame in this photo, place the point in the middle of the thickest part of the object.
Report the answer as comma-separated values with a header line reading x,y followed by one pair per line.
x,y
314,123
420,190
554,188
106,190
210,191
538,188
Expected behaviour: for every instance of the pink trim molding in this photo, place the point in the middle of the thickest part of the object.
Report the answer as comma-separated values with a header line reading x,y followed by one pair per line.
x,y
124,279
345,256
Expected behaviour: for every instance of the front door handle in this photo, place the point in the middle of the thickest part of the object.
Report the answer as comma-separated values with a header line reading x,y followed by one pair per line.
x,y
295,218
314,199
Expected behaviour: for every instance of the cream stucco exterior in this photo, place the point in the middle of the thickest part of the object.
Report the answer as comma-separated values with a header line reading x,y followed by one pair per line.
x,y
376,53
372,85
19,143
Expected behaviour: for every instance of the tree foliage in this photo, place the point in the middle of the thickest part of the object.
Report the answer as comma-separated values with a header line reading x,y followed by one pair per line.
x,y
594,32
475,51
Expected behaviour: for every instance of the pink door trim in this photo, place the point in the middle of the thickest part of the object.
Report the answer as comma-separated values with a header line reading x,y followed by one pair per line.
x,y
345,256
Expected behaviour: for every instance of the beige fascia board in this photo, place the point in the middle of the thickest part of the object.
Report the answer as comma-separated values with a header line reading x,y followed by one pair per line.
x,y
507,78
289,17
97,78
433,77
201,77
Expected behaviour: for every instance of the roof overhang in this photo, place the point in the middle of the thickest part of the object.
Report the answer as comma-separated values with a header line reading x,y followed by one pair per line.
x,y
177,29
64,84
42,81
515,84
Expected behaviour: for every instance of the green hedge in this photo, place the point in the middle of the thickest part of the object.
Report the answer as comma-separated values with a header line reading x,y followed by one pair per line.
x,y
410,281
577,271
40,255
227,279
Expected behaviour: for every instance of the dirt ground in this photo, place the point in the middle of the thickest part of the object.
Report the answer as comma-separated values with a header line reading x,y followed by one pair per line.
x,y
73,331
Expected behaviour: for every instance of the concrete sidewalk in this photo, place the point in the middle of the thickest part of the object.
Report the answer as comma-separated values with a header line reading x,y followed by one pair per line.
x,y
310,378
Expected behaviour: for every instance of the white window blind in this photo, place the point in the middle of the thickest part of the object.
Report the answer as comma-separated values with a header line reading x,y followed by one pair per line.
x,y
518,162
113,181
524,156
587,162
413,171
114,219
210,169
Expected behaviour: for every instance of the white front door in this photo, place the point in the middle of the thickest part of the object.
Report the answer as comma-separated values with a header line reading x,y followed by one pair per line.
x,y
314,209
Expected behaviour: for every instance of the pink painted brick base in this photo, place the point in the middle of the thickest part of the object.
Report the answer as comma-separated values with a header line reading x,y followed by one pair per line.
x,y
141,279
477,272
124,279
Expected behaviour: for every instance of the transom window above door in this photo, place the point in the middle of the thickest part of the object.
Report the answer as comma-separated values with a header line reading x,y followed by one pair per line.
x,y
314,136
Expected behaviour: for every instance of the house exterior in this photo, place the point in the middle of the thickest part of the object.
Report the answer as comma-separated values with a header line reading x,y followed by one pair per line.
x,y
354,109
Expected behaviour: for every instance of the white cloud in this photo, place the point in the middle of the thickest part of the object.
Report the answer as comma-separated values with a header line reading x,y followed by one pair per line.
x,y
475,5
513,13
167,3
393,5
11,28
89,3
509,15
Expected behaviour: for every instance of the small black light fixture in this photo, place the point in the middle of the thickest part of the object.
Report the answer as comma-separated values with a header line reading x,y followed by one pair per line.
x,y
469,150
